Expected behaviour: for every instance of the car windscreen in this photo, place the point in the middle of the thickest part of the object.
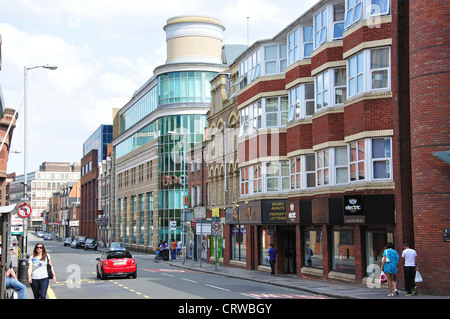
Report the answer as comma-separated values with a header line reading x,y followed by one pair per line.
x,y
118,254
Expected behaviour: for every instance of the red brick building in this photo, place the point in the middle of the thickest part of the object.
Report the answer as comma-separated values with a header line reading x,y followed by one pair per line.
x,y
89,191
339,116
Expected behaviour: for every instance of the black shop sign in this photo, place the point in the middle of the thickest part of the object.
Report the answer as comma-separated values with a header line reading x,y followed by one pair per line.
x,y
354,209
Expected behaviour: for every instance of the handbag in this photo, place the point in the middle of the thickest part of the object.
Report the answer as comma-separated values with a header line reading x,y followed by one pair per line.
x,y
418,277
383,277
49,270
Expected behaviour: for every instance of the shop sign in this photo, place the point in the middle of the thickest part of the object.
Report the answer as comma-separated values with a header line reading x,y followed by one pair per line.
x,y
274,212
174,180
354,209
292,212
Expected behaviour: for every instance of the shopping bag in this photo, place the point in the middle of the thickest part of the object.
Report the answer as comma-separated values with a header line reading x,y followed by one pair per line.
x,y
383,277
418,277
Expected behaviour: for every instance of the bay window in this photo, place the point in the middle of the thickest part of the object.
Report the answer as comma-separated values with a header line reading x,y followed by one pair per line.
x,y
307,41
338,20
296,172
341,165
368,71
353,12
301,101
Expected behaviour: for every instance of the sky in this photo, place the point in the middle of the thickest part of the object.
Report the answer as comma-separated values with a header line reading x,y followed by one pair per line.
x,y
104,50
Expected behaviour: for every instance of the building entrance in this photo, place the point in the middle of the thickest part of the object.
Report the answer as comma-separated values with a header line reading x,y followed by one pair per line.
x,y
290,265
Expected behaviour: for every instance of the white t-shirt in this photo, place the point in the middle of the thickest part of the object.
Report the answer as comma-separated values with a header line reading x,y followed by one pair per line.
x,y
409,255
39,267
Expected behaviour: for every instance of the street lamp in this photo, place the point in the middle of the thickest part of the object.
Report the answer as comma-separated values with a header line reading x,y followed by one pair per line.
x,y
25,125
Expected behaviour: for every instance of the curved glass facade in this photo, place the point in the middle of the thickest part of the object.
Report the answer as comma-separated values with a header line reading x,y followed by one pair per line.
x,y
185,87
173,87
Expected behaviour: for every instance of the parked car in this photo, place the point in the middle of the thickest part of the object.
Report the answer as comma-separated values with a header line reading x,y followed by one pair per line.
x,y
48,236
81,241
117,246
40,234
116,263
74,244
90,244
67,241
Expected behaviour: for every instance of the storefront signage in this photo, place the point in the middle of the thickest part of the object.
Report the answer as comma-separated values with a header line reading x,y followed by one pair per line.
x,y
274,212
354,209
292,212
174,180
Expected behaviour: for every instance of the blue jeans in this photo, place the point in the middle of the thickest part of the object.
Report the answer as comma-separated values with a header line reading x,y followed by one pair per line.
x,y
17,286
39,287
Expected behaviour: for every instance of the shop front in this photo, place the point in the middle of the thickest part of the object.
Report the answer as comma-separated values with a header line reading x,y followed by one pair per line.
x,y
343,238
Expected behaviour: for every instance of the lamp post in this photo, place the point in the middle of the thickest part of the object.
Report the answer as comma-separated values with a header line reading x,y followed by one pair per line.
x,y
25,125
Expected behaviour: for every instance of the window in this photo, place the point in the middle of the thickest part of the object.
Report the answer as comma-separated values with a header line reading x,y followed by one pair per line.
x,y
276,111
249,69
323,170
379,68
277,176
320,28
310,170
257,178
381,158
322,90
293,47
379,7
313,248
307,41
369,71
244,180
275,59
340,86
338,20
301,107
238,240
356,74
341,165
343,250
357,156
353,13
296,172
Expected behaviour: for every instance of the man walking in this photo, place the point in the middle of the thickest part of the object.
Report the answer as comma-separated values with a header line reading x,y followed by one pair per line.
x,y
410,267
272,253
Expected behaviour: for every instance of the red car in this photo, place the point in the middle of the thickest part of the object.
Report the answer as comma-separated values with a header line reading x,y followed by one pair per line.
x,y
116,263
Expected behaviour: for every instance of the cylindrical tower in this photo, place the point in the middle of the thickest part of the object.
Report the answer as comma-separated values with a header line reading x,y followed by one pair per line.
x,y
194,39
430,109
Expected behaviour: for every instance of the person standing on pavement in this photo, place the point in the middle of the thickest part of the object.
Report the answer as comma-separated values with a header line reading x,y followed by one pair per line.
x,y
37,271
410,267
272,253
174,249
389,266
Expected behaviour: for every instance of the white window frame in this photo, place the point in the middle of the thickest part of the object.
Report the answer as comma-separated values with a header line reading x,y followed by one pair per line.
x,y
295,164
310,42
351,9
293,46
336,23
322,90
340,166
320,27
311,171
323,163
257,178
280,60
283,182
387,159
244,180
356,161
358,74
298,102
386,69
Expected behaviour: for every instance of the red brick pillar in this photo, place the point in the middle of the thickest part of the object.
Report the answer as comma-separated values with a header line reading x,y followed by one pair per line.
x,y
430,133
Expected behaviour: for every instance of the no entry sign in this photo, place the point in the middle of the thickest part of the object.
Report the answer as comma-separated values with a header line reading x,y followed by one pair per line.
x,y
24,210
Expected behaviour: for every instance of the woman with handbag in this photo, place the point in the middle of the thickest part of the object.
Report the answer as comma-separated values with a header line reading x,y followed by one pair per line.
x,y
40,269
389,266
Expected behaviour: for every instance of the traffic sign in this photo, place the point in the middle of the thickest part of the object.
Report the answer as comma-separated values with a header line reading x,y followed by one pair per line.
x,y
216,227
24,210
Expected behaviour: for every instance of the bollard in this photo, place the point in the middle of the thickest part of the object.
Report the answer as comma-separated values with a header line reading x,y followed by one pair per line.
x,y
22,272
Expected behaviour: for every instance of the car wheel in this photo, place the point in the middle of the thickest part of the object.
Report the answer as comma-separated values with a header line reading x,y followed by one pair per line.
x,y
104,277
98,274
134,275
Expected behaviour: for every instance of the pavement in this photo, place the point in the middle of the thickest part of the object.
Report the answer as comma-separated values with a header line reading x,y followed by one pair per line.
x,y
332,289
